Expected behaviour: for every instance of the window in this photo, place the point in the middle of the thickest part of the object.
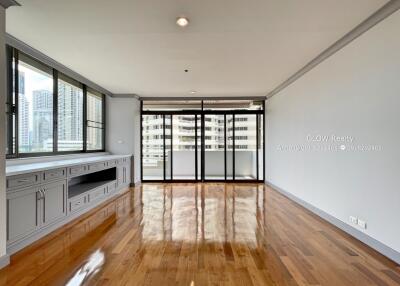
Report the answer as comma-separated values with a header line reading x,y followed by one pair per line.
x,y
95,120
35,106
70,114
47,112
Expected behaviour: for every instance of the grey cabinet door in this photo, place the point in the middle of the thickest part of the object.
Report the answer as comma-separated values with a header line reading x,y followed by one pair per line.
x,y
54,202
22,213
127,174
120,176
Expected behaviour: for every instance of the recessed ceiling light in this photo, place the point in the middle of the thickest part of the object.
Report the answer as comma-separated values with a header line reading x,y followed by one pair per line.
x,y
193,92
182,21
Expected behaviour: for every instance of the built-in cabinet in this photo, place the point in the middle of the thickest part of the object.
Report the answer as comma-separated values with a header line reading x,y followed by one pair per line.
x,y
53,202
33,208
40,202
23,210
123,174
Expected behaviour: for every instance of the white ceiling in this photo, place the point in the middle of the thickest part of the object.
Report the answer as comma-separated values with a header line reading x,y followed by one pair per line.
x,y
231,47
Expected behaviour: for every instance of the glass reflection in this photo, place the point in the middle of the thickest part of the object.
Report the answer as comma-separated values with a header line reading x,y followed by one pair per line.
x,y
88,270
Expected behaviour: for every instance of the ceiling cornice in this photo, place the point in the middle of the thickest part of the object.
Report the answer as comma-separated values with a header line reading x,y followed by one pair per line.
x,y
381,14
126,95
8,3
205,98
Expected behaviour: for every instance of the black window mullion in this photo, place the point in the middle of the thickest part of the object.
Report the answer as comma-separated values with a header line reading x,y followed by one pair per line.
x,y
172,142
233,147
195,146
103,106
263,145
55,111
164,151
16,99
203,146
84,131
225,153
141,140
10,105
257,144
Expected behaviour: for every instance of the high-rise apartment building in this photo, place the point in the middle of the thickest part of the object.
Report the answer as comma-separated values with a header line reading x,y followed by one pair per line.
x,y
23,115
70,115
42,109
183,130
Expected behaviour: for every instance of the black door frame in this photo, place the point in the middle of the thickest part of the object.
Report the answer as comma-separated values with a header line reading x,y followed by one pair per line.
x,y
202,113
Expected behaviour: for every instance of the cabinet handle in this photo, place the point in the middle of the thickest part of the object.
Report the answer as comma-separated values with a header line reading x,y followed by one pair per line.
x,y
40,195
44,205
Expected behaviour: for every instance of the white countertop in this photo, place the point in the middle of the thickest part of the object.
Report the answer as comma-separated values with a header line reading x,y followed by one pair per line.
x,y
41,166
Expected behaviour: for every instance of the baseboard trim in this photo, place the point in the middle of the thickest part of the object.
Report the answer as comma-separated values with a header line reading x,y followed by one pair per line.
x,y
371,242
4,261
137,183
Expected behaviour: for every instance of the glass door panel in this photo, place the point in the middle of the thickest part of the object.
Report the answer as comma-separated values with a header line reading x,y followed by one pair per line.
x,y
168,146
184,147
245,146
199,146
152,147
229,147
214,147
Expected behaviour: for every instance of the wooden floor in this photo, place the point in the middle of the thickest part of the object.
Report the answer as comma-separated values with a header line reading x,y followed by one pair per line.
x,y
200,234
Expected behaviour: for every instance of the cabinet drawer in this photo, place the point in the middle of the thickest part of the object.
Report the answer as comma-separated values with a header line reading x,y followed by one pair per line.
x,y
112,163
97,166
24,180
97,194
54,174
77,203
76,170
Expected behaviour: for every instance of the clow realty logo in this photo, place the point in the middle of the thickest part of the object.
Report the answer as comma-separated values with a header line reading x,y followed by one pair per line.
x,y
329,143
330,138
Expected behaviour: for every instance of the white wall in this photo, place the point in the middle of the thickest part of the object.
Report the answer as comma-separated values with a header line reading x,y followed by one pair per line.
x,y
123,129
2,135
356,92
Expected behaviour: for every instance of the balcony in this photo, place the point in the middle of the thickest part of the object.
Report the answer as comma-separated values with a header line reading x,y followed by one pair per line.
x,y
184,165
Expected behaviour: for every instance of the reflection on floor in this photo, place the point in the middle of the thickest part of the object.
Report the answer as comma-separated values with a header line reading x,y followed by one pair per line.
x,y
212,177
200,234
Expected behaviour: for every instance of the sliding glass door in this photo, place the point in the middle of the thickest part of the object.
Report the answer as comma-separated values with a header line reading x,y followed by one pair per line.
x,y
203,145
232,147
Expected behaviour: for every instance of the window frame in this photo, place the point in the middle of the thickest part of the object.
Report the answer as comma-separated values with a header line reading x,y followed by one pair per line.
x,y
103,118
12,110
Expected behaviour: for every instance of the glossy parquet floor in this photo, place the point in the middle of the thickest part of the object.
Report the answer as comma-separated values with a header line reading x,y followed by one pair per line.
x,y
200,234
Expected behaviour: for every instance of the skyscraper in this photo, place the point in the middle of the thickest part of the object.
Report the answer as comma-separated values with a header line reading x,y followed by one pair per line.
x,y
70,116
42,109
23,115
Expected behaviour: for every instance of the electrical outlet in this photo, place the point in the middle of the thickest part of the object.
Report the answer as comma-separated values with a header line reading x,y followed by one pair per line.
x,y
362,224
353,220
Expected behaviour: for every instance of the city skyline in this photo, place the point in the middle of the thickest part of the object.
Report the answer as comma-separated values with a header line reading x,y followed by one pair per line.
x,y
35,114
